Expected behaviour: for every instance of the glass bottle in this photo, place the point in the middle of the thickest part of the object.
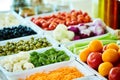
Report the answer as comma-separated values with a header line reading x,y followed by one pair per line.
x,y
118,13
17,4
98,9
108,11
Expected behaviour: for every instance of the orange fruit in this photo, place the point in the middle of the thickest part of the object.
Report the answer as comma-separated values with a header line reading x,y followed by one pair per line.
x,y
95,46
84,54
119,51
104,68
110,55
112,46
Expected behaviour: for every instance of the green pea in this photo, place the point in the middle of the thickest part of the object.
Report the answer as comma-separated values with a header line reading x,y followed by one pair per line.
x,y
27,48
38,45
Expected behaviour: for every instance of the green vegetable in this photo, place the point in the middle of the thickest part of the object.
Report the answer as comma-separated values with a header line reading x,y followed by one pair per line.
x,y
107,38
78,49
15,47
49,56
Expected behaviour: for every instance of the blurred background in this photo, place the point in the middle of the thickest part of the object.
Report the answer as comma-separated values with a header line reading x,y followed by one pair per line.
x,y
49,5
107,10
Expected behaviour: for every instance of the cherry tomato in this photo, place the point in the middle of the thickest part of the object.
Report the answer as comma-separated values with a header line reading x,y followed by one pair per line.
x,y
114,73
94,59
85,14
79,12
57,21
46,17
52,26
53,16
44,25
72,11
87,18
79,20
42,21
37,22
61,17
39,17
63,14
67,21
32,18
68,18
67,15
73,18
62,22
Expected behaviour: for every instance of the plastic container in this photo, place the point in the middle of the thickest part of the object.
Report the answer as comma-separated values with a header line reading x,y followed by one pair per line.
x,y
9,18
91,69
90,78
16,58
59,20
49,39
26,25
22,75
110,30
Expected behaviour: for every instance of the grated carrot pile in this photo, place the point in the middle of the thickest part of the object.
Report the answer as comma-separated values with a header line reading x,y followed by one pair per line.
x,y
64,73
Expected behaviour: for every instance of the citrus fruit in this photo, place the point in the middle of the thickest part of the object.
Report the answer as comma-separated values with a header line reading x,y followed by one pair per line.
x,y
95,46
112,46
119,51
110,55
104,68
84,54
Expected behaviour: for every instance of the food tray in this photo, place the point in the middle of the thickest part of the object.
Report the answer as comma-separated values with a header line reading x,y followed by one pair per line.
x,y
111,31
90,78
49,14
7,22
25,24
31,25
21,21
51,31
49,39
42,15
89,68
37,68
16,76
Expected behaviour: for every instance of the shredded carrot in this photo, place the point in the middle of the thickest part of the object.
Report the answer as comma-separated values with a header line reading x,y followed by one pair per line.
x,y
64,73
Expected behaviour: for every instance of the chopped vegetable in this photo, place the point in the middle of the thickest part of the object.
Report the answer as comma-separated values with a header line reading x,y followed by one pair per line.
x,y
15,63
95,28
63,73
108,38
76,37
61,33
76,48
49,56
74,29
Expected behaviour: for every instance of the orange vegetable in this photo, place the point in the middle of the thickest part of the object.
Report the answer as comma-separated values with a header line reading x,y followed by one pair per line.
x,y
64,73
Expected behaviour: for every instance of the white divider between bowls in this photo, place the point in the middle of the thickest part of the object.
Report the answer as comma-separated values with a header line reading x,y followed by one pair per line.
x,y
25,72
92,70
51,67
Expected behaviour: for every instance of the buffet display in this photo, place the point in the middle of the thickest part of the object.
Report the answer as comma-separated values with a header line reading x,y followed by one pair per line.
x,y
58,46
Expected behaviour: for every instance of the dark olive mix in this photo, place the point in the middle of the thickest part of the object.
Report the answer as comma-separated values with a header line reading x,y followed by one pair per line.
x,y
15,47
15,32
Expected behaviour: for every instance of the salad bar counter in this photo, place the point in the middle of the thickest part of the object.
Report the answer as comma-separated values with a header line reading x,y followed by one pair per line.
x,y
67,45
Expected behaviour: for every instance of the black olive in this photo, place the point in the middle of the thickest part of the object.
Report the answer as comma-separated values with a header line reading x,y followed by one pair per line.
x,y
15,31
